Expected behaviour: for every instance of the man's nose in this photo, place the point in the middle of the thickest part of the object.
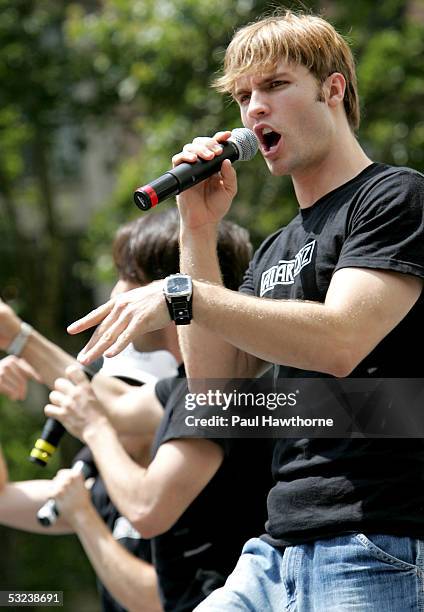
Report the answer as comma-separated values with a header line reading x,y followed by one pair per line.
x,y
258,105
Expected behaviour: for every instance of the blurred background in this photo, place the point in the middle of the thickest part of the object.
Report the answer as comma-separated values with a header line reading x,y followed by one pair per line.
x,y
95,98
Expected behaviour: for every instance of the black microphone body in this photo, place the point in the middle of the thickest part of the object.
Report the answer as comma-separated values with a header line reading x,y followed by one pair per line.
x,y
48,442
46,445
48,513
242,146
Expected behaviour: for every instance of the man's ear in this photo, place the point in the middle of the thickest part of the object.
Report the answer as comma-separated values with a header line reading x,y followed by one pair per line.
x,y
334,89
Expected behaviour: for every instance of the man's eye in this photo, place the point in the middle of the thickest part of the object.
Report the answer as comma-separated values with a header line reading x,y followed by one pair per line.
x,y
274,84
243,99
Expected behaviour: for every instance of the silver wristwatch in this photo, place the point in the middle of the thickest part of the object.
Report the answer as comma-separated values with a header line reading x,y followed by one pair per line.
x,y
17,345
178,291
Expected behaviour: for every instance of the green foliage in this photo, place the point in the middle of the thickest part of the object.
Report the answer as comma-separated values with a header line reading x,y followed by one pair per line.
x,y
392,62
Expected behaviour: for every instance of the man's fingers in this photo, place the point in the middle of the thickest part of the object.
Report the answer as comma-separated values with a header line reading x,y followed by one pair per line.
x,y
13,376
55,412
58,399
123,341
222,136
63,385
61,475
62,481
203,147
92,318
12,391
29,370
104,340
104,334
229,177
76,375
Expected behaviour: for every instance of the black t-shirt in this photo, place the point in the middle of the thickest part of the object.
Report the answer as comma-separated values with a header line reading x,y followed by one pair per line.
x,y
330,486
121,529
194,557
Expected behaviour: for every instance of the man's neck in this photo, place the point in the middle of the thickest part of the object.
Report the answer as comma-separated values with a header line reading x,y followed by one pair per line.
x,y
344,161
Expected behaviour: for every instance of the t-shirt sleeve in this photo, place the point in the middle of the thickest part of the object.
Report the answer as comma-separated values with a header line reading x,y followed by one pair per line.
x,y
172,434
247,286
164,388
386,230
174,418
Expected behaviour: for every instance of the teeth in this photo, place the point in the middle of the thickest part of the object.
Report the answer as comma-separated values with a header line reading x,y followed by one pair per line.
x,y
266,131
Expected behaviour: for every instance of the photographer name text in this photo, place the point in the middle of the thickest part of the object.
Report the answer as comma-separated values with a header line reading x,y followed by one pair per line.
x,y
256,421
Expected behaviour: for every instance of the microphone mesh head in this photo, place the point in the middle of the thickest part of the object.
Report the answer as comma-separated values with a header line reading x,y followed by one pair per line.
x,y
246,143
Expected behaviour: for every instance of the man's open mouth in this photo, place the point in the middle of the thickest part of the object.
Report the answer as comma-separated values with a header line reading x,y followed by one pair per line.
x,y
268,138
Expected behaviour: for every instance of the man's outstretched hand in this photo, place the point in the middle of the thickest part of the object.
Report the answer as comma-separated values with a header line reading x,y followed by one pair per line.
x,y
121,319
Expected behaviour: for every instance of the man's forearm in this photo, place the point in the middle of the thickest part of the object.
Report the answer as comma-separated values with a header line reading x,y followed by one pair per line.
x,y
298,334
130,580
49,360
128,493
20,502
333,337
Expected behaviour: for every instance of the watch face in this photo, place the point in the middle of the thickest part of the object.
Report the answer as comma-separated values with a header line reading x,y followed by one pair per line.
x,y
178,284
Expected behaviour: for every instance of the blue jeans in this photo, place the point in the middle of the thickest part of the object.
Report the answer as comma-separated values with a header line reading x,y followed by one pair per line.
x,y
349,573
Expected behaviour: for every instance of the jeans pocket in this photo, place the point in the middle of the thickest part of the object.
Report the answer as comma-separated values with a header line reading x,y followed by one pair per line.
x,y
397,551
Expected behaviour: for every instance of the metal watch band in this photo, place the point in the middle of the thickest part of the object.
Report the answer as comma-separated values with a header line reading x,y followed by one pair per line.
x,y
17,345
180,310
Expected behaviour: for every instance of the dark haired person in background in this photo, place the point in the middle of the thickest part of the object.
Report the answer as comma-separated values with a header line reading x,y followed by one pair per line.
x,y
199,499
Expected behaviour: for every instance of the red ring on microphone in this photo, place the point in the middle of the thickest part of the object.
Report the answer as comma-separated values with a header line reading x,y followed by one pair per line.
x,y
151,193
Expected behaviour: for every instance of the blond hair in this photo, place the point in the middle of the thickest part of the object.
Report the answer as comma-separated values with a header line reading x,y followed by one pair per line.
x,y
292,37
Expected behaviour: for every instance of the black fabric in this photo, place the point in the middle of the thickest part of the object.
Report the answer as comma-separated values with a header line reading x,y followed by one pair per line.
x,y
118,525
166,386
330,486
195,556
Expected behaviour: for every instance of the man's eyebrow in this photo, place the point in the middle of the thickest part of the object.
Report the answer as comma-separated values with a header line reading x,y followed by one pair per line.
x,y
263,81
275,75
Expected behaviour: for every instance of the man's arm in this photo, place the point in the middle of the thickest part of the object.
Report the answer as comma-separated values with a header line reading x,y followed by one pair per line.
x,y
47,359
333,337
153,498
20,502
130,580
131,410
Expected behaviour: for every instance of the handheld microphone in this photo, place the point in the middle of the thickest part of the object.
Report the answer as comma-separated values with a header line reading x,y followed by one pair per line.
x,y
241,146
48,514
52,433
47,443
